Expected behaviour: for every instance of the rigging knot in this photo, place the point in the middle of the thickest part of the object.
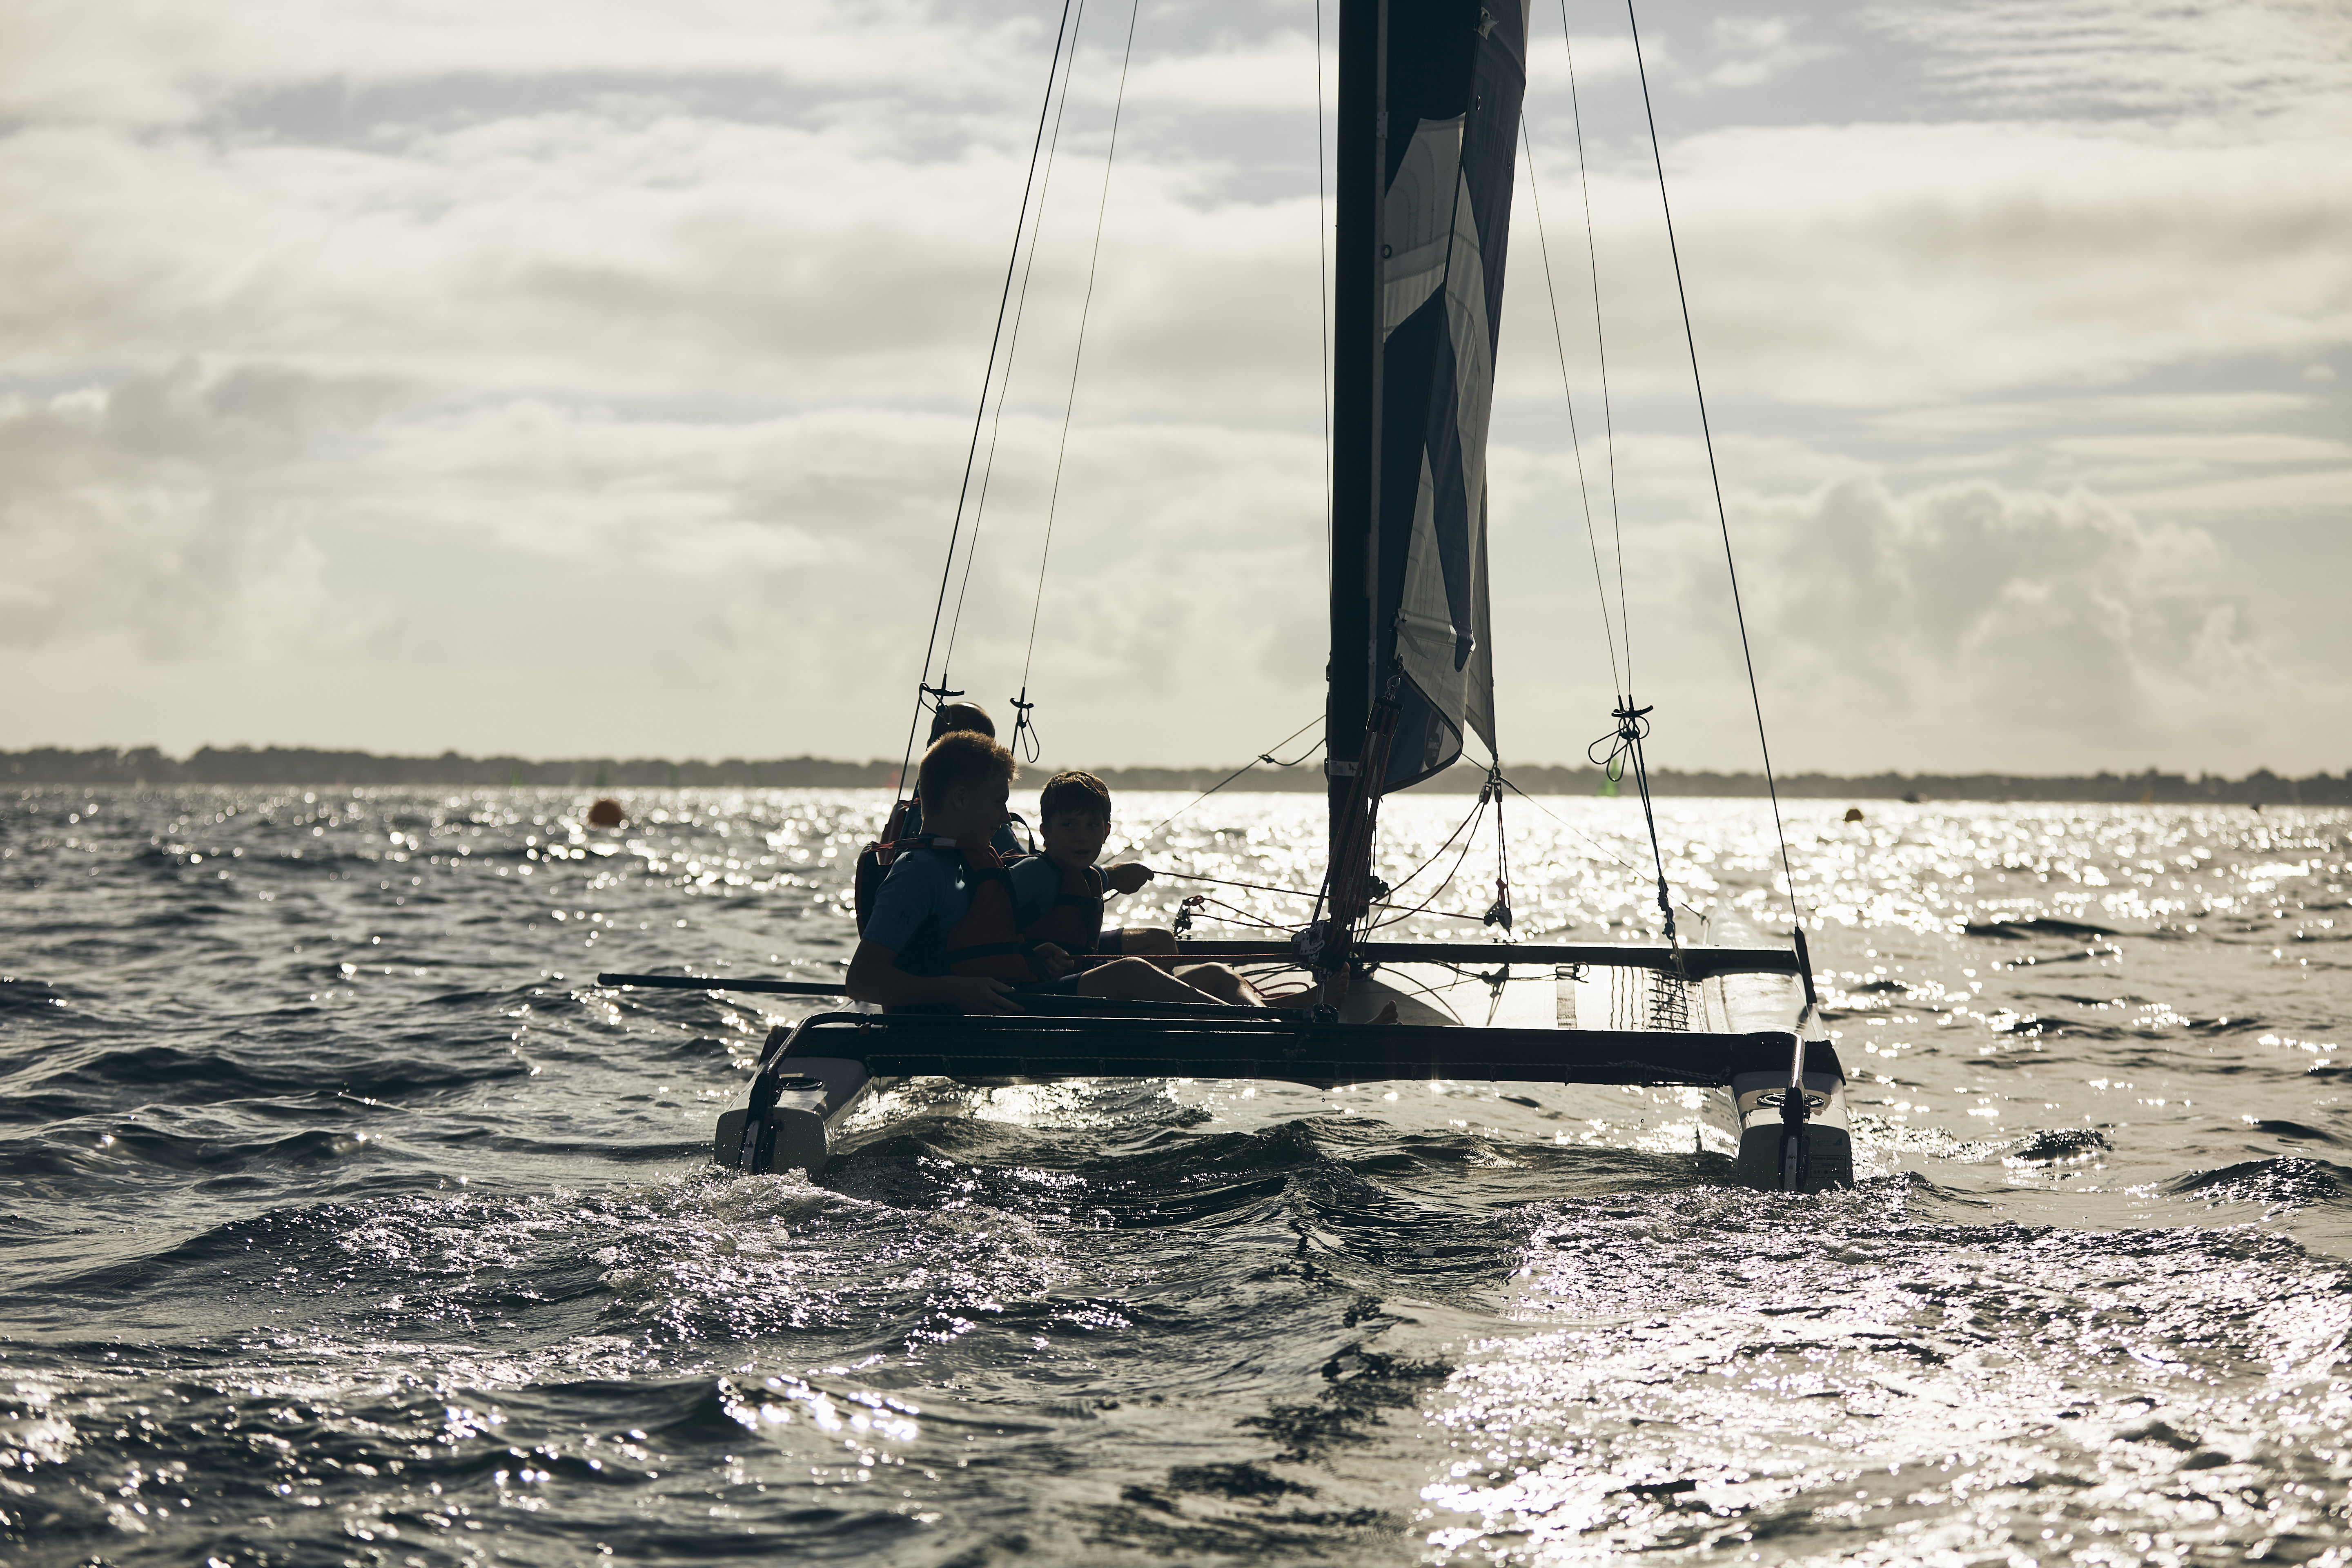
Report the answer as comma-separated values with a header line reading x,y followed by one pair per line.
x,y
1499,911
1184,912
1632,728
1022,726
1272,761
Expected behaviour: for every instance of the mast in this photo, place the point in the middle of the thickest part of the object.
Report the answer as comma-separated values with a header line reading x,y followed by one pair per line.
x,y
1356,402
1428,131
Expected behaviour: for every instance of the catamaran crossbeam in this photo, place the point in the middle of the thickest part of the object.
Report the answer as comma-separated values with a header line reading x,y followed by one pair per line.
x,y
813,1074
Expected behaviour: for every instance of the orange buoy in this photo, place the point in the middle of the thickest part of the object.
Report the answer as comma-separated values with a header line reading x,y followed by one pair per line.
x,y
1852,813
605,812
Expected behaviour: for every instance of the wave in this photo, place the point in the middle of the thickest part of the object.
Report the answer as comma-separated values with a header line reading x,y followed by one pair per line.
x,y
2278,1185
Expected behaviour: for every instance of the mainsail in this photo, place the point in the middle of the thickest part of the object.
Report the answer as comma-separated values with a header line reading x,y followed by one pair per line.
x,y
1437,135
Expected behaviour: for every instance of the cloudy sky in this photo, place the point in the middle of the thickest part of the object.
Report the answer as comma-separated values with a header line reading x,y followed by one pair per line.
x,y
596,378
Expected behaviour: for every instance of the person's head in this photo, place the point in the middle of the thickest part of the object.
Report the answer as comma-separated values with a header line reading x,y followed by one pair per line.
x,y
964,781
1073,817
950,716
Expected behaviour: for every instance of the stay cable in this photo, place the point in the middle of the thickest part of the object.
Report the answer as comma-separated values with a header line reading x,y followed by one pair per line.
x,y
1690,340
972,453
1021,725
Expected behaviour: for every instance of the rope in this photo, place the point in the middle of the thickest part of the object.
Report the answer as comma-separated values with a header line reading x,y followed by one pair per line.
x,y
1600,345
1025,729
1722,518
1500,913
1476,812
1020,723
1423,908
1576,443
1276,959
1020,310
1605,852
1229,882
1299,893
1238,916
1632,729
947,570
1134,842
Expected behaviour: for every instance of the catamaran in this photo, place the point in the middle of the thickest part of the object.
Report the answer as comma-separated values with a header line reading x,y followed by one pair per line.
x,y
1428,121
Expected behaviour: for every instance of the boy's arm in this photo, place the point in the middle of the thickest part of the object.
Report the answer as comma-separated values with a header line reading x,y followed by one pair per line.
x,y
874,976
1127,878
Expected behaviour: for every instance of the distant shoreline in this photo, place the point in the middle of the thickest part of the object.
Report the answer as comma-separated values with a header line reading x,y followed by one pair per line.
x,y
302,766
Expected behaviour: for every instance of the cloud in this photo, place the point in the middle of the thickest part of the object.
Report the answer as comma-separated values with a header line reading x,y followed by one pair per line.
x,y
143,66
2044,630
467,347
156,513
1885,265
1756,49
2083,57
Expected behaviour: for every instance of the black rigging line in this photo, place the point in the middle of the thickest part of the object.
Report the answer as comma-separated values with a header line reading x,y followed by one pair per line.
x,y
1022,704
1011,346
1722,519
1606,853
1600,345
1632,723
1468,843
947,570
1599,584
1323,286
1632,729
1466,824
1502,906
1137,841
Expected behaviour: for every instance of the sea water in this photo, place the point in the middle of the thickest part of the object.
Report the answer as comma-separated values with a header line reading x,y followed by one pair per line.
x,y
346,1218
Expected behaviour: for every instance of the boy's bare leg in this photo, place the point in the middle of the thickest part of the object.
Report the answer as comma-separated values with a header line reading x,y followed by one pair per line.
x,y
1223,982
1219,980
1146,941
1132,980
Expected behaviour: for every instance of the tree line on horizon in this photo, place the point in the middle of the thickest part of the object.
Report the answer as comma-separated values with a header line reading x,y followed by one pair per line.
x,y
307,767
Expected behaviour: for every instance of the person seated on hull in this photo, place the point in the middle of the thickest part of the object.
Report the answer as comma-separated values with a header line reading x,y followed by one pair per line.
x,y
943,929
946,720
1061,893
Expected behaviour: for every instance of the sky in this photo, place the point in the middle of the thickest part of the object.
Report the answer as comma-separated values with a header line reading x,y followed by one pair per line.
x,y
598,378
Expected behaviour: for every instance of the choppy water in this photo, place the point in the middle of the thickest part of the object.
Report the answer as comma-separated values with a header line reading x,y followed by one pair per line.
x,y
346,1220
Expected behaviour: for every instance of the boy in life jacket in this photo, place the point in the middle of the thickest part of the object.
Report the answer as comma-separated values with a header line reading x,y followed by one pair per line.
x,y
905,823
943,929
1060,893
946,720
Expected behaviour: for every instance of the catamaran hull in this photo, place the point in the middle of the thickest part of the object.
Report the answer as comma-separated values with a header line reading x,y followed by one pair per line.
x,y
1821,1156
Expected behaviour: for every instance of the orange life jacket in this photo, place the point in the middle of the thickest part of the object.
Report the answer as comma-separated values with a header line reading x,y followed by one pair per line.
x,y
986,941
1075,922
874,860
